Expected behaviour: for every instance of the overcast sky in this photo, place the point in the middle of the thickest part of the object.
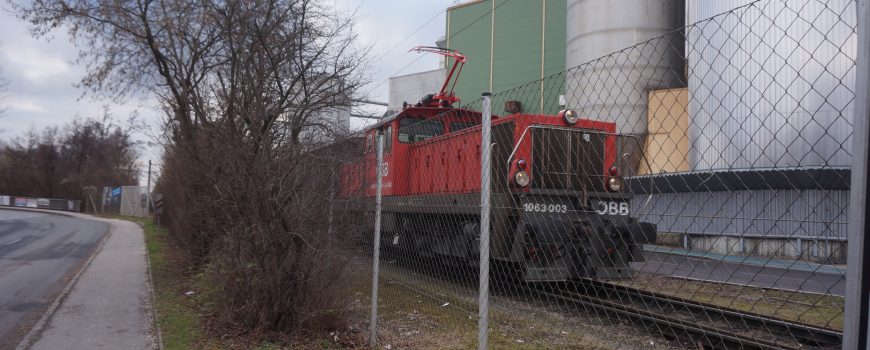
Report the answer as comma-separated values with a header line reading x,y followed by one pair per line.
x,y
42,72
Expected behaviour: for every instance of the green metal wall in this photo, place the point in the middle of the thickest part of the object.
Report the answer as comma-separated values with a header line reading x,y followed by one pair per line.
x,y
528,43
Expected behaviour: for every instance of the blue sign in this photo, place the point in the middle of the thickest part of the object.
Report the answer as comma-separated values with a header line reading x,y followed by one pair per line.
x,y
116,191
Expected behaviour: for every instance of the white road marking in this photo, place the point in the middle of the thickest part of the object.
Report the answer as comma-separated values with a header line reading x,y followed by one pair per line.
x,y
13,242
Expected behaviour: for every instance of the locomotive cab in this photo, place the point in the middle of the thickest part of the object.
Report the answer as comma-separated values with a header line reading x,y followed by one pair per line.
x,y
576,215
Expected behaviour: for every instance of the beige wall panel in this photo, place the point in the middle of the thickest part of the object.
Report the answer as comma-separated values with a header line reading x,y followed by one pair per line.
x,y
667,145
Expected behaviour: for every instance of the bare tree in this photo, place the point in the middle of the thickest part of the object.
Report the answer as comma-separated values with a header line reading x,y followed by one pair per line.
x,y
246,87
59,162
200,57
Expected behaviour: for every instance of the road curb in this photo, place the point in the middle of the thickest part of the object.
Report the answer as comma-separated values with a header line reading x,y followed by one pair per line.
x,y
150,285
40,325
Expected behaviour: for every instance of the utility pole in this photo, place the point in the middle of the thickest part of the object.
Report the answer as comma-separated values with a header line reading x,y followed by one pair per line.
x,y
148,190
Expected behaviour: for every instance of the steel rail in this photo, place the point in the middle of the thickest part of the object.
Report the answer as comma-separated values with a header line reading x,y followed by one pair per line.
x,y
810,334
710,335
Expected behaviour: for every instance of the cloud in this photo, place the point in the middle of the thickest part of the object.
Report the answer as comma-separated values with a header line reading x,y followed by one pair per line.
x,y
24,105
35,65
42,76
391,28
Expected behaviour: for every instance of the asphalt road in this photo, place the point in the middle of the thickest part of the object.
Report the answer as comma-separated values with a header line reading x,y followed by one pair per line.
x,y
743,274
38,254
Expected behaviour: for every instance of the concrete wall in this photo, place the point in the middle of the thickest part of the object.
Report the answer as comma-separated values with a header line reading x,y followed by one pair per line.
x,y
412,87
810,224
133,201
818,249
751,213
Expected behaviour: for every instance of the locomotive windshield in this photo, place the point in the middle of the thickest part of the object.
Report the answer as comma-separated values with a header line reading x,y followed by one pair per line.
x,y
415,130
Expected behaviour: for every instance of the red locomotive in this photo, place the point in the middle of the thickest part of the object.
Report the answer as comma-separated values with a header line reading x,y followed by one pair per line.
x,y
558,209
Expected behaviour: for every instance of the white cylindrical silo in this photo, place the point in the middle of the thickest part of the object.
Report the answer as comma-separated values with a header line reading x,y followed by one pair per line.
x,y
612,63
770,83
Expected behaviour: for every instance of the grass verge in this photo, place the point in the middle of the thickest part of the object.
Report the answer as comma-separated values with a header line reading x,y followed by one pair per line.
x,y
177,315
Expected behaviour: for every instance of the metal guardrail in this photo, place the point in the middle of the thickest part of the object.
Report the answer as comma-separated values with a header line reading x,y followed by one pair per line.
x,y
40,203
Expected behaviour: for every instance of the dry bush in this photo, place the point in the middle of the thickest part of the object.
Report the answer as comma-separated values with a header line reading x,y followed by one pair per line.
x,y
261,223
247,88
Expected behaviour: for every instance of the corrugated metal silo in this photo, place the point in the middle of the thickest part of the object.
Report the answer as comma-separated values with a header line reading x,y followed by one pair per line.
x,y
770,87
615,88
770,99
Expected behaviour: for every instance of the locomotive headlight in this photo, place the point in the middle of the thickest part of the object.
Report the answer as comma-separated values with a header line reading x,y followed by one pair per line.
x,y
522,178
570,116
614,184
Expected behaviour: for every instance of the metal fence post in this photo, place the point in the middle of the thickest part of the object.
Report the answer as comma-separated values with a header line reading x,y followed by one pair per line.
x,y
857,283
485,187
373,325
330,219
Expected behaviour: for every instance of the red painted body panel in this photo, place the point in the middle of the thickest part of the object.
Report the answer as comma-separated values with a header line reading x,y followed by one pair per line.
x,y
446,164
449,163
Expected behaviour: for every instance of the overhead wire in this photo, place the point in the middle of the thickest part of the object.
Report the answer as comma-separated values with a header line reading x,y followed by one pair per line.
x,y
420,56
412,34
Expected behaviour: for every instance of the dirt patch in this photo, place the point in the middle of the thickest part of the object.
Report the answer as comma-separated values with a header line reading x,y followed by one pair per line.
x,y
419,311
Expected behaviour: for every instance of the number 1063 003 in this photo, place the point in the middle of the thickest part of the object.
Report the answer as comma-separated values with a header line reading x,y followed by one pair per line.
x,y
546,208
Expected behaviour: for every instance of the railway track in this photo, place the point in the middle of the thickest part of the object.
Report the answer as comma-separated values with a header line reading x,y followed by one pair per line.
x,y
712,326
680,319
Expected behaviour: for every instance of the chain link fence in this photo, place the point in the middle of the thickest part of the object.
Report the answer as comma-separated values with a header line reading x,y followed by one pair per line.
x,y
689,191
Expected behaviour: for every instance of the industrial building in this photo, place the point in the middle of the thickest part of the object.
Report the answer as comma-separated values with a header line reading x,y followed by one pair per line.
x,y
410,88
741,113
767,131
510,44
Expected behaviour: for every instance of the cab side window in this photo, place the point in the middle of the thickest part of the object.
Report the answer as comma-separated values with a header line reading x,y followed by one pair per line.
x,y
415,130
